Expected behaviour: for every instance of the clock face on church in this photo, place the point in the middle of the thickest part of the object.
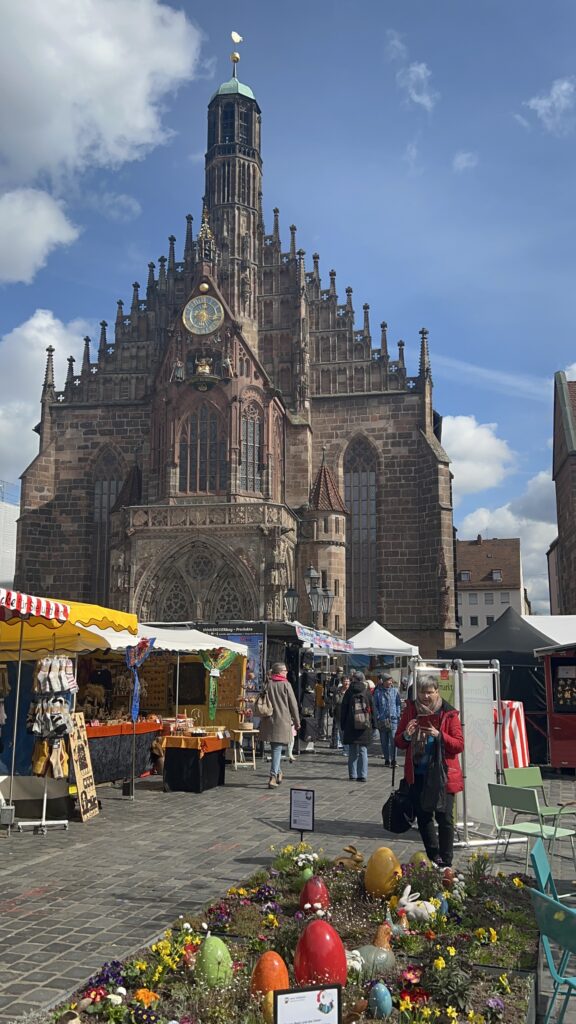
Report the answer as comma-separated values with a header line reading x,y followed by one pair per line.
x,y
203,314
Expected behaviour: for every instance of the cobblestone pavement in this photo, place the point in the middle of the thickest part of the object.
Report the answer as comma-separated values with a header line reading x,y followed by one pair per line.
x,y
70,900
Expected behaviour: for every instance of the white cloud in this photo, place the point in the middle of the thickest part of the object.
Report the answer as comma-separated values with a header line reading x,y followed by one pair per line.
x,y
96,74
413,77
464,161
89,93
555,110
538,502
523,121
395,47
479,459
414,80
570,371
535,538
22,366
514,385
115,206
412,159
32,224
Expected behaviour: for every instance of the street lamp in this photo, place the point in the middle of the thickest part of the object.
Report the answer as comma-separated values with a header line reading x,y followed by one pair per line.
x,y
291,603
327,601
315,595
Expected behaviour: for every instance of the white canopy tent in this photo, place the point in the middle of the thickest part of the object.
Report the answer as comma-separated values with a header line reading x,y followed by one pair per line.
x,y
180,641
375,640
560,628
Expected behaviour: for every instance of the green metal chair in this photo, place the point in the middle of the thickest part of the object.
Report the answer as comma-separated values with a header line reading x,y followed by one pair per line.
x,y
525,801
543,873
531,778
556,923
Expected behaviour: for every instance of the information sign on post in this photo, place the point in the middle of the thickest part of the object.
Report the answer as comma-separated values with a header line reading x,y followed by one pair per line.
x,y
308,1006
87,798
302,811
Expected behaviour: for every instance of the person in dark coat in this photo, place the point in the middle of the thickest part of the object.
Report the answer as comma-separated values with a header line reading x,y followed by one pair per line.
x,y
357,738
426,720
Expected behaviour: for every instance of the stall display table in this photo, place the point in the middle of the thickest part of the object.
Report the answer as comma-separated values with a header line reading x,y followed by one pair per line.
x,y
111,749
194,763
239,757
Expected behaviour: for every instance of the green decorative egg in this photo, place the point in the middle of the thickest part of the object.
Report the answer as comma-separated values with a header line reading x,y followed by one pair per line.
x,y
213,964
305,874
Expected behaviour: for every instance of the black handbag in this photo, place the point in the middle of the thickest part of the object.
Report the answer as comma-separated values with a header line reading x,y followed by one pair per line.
x,y
398,811
433,793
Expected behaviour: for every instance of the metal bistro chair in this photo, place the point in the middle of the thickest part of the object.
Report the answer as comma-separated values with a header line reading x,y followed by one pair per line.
x,y
525,801
543,873
557,924
531,778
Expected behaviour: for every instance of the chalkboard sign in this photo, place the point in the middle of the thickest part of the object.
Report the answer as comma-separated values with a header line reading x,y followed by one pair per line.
x,y
192,688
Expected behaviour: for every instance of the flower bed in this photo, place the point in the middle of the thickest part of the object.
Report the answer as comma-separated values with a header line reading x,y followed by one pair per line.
x,y
466,953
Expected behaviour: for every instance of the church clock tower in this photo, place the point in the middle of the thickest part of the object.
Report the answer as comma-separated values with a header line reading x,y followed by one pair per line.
x,y
233,196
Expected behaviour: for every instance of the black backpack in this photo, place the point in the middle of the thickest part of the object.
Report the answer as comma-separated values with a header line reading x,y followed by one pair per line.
x,y
361,712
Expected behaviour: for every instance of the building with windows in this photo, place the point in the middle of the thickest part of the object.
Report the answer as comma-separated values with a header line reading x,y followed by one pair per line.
x,y
9,511
488,581
562,551
237,426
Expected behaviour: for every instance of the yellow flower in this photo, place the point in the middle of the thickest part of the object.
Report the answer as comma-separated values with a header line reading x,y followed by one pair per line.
x,y
435,902
493,935
439,963
452,1013
242,892
504,983
140,965
451,951
436,1013
518,883
405,1004
480,933
425,1013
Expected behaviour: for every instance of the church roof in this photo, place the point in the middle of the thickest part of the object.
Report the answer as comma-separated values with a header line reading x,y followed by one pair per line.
x,y
325,496
234,87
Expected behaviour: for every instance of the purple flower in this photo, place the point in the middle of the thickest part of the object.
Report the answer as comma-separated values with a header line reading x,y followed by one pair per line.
x,y
495,1003
298,916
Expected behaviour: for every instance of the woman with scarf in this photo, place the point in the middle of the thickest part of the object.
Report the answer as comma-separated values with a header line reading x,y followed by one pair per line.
x,y
276,728
426,720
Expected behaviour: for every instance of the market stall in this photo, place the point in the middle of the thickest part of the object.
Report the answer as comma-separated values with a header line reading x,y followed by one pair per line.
x,y
560,678
33,628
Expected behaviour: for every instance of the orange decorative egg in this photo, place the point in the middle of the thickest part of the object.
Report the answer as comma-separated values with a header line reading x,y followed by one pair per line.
x,y
269,974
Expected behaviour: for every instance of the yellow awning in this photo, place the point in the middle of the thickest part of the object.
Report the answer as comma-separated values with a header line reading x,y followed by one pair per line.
x,y
41,637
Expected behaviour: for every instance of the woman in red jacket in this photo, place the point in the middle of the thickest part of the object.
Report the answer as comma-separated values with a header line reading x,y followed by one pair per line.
x,y
425,721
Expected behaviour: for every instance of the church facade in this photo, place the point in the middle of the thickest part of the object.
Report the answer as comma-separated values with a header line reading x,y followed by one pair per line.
x,y
236,427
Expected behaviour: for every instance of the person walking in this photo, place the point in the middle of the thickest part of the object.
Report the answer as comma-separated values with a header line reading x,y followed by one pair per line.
x,y
337,742
387,710
428,720
357,722
321,708
276,728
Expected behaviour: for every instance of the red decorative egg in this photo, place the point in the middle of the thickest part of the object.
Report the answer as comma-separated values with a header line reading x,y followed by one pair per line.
x,y
314,892
269,974
320,957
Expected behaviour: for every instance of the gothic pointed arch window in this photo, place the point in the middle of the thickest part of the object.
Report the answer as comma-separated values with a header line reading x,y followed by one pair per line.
x,y
203,452
107,477
251,453
360,475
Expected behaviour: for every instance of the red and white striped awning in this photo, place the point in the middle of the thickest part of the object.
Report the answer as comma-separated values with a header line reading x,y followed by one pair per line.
x,y
14,604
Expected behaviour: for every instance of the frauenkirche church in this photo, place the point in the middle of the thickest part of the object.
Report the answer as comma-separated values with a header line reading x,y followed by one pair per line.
x,y
237,426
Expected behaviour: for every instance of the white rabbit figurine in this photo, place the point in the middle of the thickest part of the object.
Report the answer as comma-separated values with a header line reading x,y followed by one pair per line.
x,y
419,910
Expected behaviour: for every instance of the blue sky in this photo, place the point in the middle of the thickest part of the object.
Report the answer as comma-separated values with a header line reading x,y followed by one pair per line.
x,y
426,151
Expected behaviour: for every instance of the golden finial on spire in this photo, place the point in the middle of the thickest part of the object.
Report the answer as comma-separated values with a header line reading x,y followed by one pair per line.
x,y
235,56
